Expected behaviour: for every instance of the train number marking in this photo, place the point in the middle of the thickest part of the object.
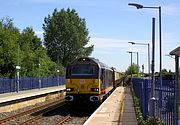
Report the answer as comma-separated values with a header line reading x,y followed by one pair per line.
x,y
81,81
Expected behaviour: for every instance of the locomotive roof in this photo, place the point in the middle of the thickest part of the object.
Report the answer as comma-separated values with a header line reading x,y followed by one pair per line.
x,y
102,65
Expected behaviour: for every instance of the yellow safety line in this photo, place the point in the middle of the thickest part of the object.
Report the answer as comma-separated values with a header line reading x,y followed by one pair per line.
x,y
121,111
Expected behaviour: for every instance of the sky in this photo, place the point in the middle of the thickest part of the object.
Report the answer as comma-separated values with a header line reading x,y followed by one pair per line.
x,y
111,24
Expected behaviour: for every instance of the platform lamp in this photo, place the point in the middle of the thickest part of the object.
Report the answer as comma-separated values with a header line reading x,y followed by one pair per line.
x,y
58,76
139,6
146,44
131,68
18,68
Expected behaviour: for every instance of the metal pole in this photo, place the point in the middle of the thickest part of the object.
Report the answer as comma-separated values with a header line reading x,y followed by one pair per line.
x,y
39,75
149,60
18,67
152,106
131,71
160,46
58,69
160,51
142,70
176,92
137,64
17,80
58,76
148,54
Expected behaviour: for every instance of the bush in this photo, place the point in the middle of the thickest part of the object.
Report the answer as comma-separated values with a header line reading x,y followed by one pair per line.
x,y
139,114
154,121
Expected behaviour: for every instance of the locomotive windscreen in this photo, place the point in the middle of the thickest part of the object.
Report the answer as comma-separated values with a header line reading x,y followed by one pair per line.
x,y
83,70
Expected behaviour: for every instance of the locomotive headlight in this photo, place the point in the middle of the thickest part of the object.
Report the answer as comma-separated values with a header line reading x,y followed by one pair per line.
x,y
94,89
69,89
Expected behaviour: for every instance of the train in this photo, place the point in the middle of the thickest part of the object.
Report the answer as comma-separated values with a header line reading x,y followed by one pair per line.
x,y
89,79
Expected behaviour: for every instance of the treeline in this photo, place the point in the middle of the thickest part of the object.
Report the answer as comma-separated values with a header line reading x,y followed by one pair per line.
x,y
22,49
65,37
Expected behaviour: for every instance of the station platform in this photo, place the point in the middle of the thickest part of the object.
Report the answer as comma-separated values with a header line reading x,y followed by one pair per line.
x,y
128,116
117,109
7,97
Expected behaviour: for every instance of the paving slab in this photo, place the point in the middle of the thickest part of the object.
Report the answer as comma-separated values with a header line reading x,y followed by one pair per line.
x,y
128,116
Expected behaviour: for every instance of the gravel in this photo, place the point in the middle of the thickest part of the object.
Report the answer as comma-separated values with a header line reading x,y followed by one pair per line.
x,y
78,116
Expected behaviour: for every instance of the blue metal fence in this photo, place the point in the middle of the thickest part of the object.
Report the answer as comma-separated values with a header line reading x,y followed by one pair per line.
x,y
165,97
27,83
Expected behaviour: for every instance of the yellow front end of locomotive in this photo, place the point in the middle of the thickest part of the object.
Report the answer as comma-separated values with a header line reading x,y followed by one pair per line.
x,y
83,86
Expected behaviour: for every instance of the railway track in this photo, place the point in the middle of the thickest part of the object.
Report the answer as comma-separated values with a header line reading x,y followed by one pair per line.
x,y
43,107
54,113
40,115
64,119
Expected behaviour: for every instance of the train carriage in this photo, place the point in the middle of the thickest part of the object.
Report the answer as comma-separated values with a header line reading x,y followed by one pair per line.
x,y
117,77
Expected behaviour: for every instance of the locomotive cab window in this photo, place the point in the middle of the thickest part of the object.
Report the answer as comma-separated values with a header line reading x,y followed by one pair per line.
x,y
83,70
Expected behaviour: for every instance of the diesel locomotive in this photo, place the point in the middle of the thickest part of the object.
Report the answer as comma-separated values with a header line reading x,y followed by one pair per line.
x,y
89,79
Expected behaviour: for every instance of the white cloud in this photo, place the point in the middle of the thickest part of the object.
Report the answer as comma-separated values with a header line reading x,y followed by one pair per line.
x,y
170,10
107,48
39,32
108,43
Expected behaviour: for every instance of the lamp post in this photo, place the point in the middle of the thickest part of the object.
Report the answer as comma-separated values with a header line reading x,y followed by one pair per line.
x,y
152,104
18,68
58,76
58,67
131,63
142,70
137,60
137,64
139,6
39,76
133,43
131,68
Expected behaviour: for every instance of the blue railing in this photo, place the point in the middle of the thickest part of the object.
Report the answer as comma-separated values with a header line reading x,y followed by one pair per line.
x,y
27,83
165,97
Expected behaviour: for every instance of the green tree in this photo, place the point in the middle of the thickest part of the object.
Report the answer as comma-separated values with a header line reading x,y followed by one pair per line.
x,y
25,50
65,36
8,47
164,71
28,44
35,61
134,69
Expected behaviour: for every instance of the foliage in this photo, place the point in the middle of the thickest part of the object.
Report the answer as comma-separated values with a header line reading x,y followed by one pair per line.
x,y
65,36
164,71
8,47
35,61
25,50
139,114
134,69
154,121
